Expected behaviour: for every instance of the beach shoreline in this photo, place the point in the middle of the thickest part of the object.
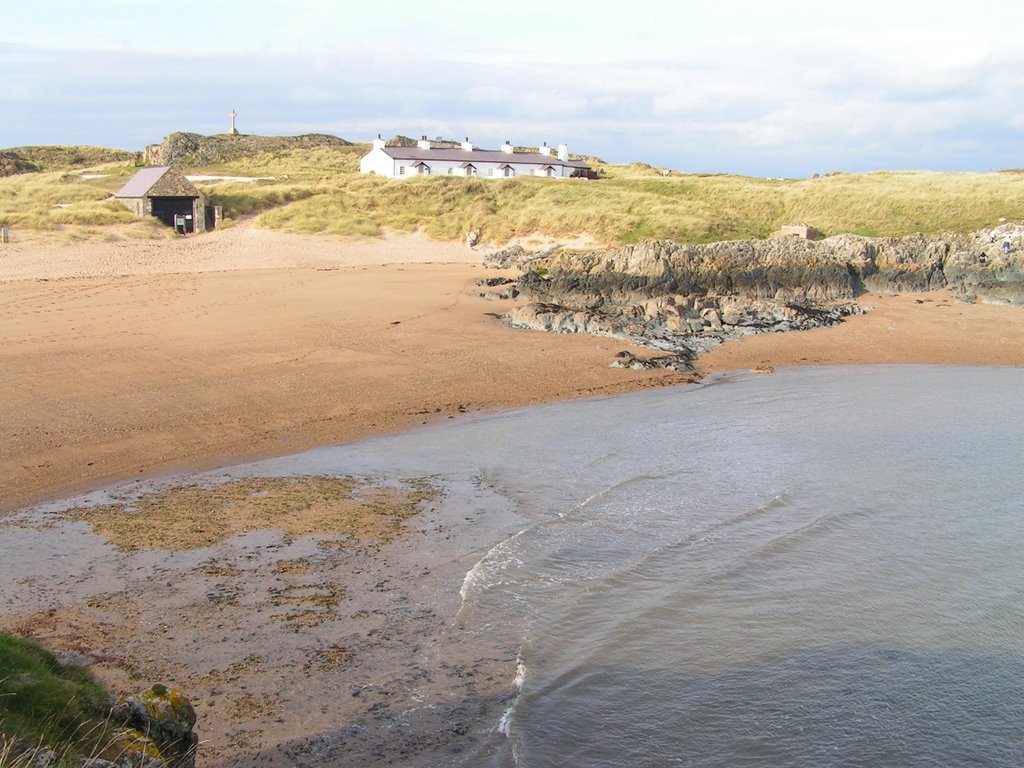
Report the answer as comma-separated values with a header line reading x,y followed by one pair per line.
x,y
123,361
255,345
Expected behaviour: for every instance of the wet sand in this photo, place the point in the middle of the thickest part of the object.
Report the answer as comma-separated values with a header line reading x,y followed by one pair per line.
x,y
122,361
317,649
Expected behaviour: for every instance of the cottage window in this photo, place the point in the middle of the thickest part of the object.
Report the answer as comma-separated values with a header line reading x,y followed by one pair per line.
x,y
401,170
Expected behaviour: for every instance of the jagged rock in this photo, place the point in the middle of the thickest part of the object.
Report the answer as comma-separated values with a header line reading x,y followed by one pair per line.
x,y
787,269
494,282
193,149
160,725
509,293
680,361
688,298
513,257
556,319
712,317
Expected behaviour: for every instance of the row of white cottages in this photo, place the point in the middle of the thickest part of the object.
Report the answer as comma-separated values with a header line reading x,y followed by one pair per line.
x,y
466,160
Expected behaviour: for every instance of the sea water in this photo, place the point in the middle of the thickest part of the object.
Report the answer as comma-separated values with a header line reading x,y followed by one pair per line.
x,y
819,567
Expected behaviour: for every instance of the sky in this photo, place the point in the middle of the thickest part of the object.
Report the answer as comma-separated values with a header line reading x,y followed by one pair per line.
x,y
787,88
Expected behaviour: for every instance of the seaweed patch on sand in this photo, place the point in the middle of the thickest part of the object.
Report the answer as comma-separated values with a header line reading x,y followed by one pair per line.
x,y
321,627
199,516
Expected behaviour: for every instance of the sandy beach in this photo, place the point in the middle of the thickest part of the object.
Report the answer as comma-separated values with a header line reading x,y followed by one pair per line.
x,y
128,360
122,359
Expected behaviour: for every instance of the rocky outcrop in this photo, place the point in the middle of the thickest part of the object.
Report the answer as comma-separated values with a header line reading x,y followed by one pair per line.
x,y
193,149
676,297
506,288
158,728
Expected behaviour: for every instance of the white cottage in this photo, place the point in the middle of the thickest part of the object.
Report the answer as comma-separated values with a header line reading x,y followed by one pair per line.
x,y
466,160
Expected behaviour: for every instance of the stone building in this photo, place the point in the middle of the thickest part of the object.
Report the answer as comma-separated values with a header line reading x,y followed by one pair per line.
x,y
163,192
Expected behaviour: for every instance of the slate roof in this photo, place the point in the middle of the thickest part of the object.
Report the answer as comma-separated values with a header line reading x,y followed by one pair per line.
x,y
480,156
158,181
143,181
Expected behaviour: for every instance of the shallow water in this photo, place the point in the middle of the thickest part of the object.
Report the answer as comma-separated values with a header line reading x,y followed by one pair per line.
x,y
818,567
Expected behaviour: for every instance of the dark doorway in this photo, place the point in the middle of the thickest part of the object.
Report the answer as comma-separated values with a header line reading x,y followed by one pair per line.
x,y
213,215
167,208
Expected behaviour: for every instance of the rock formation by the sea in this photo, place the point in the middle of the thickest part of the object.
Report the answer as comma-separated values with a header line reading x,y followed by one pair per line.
x,y
158,729
677,297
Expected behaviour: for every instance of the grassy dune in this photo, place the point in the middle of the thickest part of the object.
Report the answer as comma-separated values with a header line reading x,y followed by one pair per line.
x,y
631,204
56,198
320,190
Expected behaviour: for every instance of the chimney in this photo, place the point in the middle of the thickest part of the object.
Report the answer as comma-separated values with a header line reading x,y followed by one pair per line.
x,y
423,143
507,147
563,152
378,143
545,150
467,145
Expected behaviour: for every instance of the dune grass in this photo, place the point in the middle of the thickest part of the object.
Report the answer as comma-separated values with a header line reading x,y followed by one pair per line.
x,y
64,157
634,203
49,200
320,190
48,705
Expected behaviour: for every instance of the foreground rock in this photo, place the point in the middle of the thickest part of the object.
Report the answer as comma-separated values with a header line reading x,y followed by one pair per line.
x,y
685,298
158,729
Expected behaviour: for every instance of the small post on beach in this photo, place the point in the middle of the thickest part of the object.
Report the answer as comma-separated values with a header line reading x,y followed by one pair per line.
x,y
5,235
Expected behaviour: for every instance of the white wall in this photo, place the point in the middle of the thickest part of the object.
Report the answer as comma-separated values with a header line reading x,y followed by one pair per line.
x,y
379,162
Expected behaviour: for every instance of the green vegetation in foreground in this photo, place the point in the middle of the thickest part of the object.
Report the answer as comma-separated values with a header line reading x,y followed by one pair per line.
x,y
320,190
46,704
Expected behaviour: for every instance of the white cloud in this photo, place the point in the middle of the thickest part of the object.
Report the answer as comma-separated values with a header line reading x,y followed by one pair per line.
x,y
487,94
783,103
311,94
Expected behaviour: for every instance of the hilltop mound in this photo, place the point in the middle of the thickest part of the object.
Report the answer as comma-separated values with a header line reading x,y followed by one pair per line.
x,y
11,164
193,149
58,158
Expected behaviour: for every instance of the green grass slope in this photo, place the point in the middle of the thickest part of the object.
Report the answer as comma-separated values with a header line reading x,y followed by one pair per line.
x,y
317,188
46,704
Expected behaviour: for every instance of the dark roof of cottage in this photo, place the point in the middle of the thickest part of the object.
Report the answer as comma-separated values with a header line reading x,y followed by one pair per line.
x,y
146,179
479,156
